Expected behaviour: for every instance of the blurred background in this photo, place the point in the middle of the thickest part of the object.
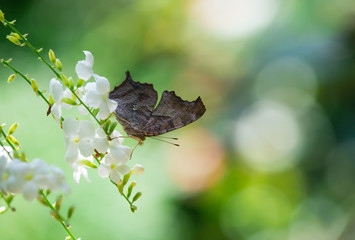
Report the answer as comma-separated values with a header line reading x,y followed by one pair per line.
x,y
272,158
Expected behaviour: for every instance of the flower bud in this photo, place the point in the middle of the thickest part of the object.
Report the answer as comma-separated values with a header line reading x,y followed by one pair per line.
x,y
39,50
12,129
51,56
56,216
58,203
69,101
135,198
126,178
65,80
13,40
51,99
133,208
34,86
112,127
15,35
137,169
70,212
58,64
80,82
120,186
88,163
71,83
13,140
11,78
2,17
130,187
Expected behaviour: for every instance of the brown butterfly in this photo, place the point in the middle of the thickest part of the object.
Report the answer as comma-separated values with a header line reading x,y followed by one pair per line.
x,y
140,118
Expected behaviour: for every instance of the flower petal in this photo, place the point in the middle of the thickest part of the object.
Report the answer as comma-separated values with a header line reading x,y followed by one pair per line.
x,y
86,130
103,170
112,105
93,98
115,176
89,58
102,84
104,111
56,89
123,169
70,127
30,191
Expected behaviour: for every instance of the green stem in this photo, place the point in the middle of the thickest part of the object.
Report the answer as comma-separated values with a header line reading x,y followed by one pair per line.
x,y
61,219
31,47
7,140
6,201
129,202
2,145
52,68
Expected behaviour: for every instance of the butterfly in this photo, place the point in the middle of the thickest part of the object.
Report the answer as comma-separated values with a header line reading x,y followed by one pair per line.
x,y
139,115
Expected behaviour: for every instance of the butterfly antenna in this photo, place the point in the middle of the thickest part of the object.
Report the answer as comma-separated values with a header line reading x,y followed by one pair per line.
x,y
171,138
175,144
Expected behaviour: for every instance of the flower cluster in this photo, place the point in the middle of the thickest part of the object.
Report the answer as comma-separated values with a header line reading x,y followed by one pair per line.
x,y
28,178
82,140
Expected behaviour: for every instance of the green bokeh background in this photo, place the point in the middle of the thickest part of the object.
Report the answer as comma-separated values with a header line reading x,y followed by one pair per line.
x,y
272,158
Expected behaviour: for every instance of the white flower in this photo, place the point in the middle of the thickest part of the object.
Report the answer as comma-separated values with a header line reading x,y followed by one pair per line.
x,y
84,68
113,167
56,89
56,180
78,136
101,142
97,97
137,169
80,168
27,177
3,172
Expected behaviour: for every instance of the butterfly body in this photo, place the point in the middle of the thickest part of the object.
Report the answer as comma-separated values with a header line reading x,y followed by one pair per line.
x,y
139,115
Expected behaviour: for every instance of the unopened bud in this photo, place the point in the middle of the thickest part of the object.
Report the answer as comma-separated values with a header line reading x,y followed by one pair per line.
x,y
11,78
34,86
120,186
70,212
69,101
13,140
126,178
56,216
137,169
2,17
71,83
51,99
65,80
12,129
58,64
13,40
51,56
39,50
88,163
112,127
133,208
58,203
15,35
80,83
130,187
135,198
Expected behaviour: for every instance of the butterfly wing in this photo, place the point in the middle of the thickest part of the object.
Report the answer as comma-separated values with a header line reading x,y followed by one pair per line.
x,y
172,112
136,102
